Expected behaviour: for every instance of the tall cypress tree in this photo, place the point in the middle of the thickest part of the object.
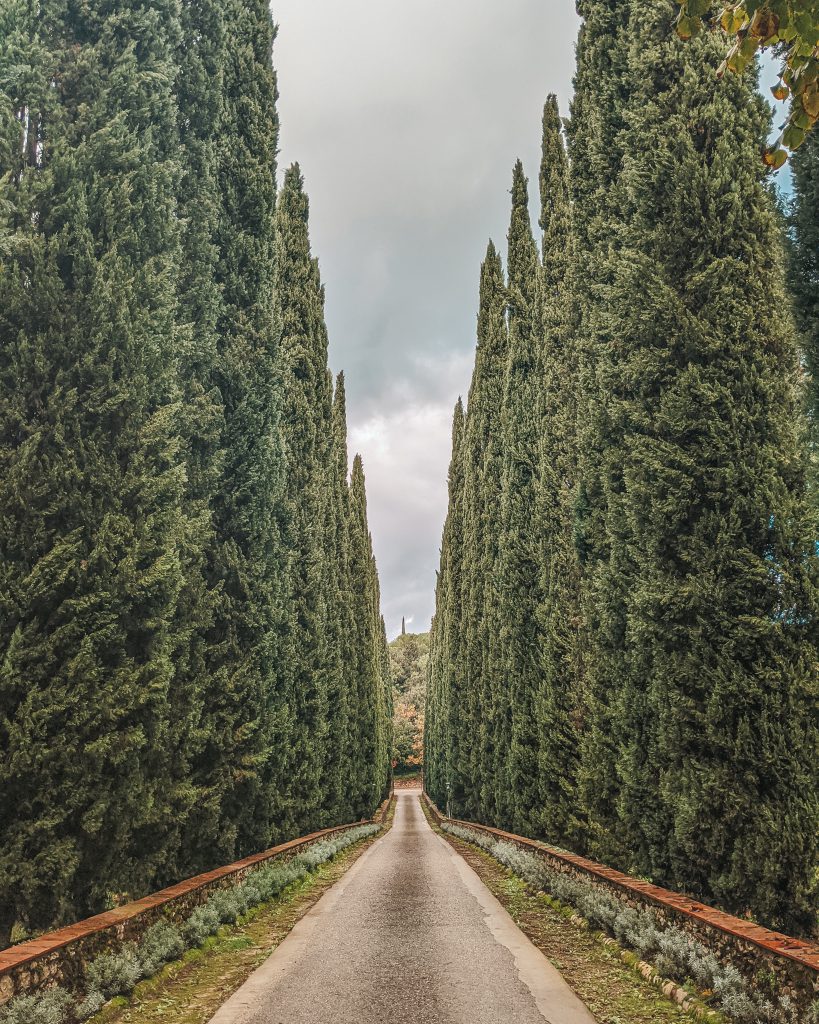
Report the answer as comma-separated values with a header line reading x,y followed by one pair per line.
x,y
383,779
368,729
483,448
91,485
335,785
453,682
596,153
804,276
519,578
558,700
342,745
439,743
199,90
710,570
246,715
306,427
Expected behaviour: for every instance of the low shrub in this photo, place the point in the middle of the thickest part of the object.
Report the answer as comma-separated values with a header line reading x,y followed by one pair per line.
x,y
162,942
675,954
114,974
47,1008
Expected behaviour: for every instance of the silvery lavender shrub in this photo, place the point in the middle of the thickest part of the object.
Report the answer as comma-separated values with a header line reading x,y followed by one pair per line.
x,y
326,849
675,954
114,974
91,1005
52,1007
161,943
204,921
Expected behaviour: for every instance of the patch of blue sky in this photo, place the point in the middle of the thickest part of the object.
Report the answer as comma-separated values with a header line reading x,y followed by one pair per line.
x,y
768,77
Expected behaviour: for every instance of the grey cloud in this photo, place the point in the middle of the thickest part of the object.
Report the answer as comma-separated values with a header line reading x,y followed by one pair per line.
x,y
406,119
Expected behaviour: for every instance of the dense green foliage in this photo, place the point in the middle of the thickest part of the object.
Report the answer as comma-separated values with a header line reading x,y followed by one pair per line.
x,y
183,678
649,608
518,569
371,731
804,274
409,666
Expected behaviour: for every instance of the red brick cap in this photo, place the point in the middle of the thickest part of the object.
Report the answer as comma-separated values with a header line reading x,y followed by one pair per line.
x,y
16,956
804,953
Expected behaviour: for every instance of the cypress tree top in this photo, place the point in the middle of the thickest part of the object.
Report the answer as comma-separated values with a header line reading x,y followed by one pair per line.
x,y
522,255
555,207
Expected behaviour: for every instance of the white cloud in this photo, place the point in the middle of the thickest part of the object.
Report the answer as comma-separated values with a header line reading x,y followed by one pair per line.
x,y
406,119
406,457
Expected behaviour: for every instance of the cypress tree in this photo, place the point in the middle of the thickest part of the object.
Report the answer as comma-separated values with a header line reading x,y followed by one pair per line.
x,y
804,275
519,633
558,703
335,784
453,683
596,152
385,702
432,714
710,572
246,715
199,90
343,736
368,730
483,455
434,776
147,592
92,461
306,430
439,742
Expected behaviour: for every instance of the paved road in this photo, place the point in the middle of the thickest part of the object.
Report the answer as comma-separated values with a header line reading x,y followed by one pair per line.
x,y
410,935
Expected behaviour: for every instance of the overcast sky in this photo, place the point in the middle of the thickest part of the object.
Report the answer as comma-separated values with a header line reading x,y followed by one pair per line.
x,y
406,118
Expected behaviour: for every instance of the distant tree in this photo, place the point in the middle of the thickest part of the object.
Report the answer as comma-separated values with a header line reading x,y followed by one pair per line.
x,y
409,655
409,663
386,703
371,733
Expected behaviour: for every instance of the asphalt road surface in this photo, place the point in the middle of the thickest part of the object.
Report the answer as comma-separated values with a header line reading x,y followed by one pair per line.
x,y
410,935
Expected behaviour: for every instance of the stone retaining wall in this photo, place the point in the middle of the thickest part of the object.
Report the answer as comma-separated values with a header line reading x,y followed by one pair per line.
x,y
60,957
756,951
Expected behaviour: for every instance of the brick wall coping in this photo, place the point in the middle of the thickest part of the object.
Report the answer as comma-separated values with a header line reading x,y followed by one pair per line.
x,y
804,953
16,956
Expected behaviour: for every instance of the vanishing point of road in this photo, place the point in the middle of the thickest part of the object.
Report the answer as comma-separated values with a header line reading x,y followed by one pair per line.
x,y
409,935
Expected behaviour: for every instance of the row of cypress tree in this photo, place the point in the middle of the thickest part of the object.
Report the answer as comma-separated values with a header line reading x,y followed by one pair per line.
x,y
192,658
624,648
